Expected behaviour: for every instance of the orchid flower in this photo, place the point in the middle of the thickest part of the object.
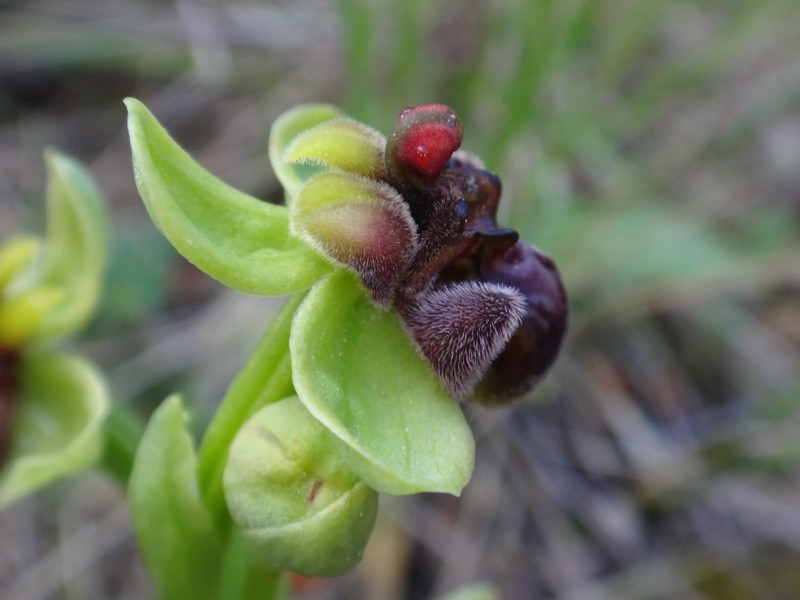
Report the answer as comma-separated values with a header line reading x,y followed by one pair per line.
x,y
52,403
407,298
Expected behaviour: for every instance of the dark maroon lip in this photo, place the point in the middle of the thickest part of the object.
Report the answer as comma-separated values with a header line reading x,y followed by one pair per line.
x,y
488,310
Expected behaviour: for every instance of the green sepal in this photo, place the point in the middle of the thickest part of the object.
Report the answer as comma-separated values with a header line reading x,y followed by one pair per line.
x,y
175,532
57,422
22,315
75,246
297,504
284,130
241,241
355,370
343,144
15,255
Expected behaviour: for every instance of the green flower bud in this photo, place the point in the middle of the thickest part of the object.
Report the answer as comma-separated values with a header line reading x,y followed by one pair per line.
x,y
299,508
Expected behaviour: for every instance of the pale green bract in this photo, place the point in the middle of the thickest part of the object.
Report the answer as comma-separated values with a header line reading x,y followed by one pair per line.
x,y
173,527
478,591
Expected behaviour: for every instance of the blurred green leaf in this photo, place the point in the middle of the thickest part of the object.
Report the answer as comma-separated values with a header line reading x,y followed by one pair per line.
x,y
613,259
479,591
233,237
76,244
173,527
299,507
58,422
356,371
137,281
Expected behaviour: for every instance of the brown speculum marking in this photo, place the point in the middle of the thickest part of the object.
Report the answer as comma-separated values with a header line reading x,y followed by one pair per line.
x,y
9,391
314,490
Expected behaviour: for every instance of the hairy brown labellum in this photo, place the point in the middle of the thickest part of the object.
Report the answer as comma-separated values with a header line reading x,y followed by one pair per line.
x,y
462,327
484,252
9,383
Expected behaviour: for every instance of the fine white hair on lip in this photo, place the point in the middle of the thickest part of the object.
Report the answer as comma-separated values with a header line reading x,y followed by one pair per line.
x,y
463,327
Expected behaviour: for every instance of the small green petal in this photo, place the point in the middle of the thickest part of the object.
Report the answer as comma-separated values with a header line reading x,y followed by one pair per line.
x,y
356,371
299,507
361,223
284,130
15,255
57,423
76,244
22,315
235,238
342,144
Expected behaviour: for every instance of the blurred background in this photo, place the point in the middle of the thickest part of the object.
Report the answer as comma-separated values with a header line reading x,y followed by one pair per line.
x,y
652,148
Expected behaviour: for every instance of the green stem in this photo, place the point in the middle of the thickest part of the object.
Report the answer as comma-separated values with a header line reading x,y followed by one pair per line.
x,y
266,378
244,581
123,431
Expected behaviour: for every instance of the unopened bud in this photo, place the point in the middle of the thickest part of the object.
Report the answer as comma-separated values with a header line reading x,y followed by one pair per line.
x,y
422,142
299,507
